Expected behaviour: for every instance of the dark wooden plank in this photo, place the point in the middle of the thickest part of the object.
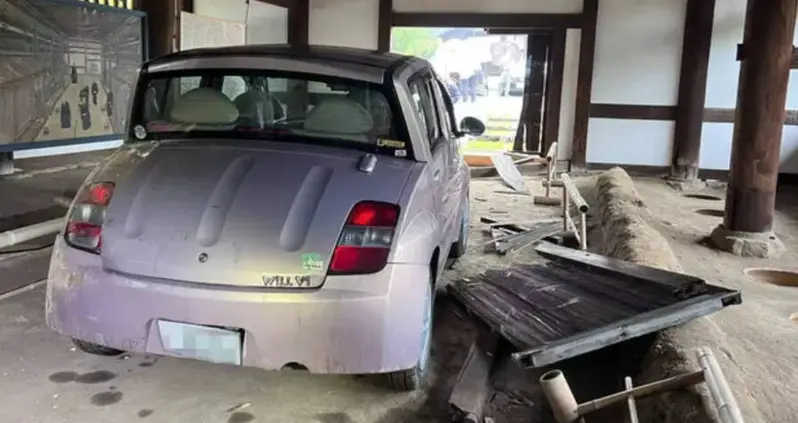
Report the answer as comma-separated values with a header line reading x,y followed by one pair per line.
x,y
553,93
696,43
537,47
761,101
384,25
680,284
632,111
472,387
494,20
584,83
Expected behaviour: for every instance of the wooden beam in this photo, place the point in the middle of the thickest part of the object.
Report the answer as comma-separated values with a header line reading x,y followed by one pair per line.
x,y
632,111
496,20
537,47
553,94
692,89
299,22
280,3
162,25
384,26
584,83
761,100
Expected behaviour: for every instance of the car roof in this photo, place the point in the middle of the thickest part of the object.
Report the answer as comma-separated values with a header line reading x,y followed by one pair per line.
x,y
347,57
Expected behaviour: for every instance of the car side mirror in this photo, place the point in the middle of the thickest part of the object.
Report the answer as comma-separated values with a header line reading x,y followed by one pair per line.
x,y
472,126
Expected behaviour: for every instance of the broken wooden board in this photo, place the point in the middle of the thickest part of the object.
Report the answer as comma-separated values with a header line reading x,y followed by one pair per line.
x,y
472,387
507,239
509,173
562,308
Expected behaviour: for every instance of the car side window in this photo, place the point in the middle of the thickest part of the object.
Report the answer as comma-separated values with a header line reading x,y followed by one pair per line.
x,y
426,108
446,108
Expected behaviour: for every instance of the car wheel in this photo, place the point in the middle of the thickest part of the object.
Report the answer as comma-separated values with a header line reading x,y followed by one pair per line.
x,y
95,349
459,247
413,379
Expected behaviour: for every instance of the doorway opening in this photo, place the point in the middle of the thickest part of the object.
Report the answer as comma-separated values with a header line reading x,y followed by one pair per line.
x,y
497,75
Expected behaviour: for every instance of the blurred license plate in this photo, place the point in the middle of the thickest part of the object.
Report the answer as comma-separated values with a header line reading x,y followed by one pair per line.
x,y
201,342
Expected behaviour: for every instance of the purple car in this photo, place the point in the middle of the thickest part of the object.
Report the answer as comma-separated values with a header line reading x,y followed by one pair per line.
x,y
271,207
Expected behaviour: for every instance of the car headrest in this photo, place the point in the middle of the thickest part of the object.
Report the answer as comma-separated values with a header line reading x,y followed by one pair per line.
x,y
256,106
204,106
339,115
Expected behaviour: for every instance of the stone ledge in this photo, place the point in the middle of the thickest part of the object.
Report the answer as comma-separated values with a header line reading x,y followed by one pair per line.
x,y
746,244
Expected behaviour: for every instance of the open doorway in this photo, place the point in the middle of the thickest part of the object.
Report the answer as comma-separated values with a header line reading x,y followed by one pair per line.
x,y
496,75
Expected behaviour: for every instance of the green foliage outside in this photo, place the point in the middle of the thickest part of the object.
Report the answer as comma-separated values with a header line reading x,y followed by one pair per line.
x,y
421,42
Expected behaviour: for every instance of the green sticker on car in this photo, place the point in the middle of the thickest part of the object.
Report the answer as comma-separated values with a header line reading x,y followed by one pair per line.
x,y
312,263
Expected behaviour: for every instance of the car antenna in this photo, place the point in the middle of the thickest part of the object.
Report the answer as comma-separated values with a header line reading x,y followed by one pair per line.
x,y
367,163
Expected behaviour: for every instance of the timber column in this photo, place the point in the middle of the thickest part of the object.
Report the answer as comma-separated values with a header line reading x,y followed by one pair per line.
x,y
765,57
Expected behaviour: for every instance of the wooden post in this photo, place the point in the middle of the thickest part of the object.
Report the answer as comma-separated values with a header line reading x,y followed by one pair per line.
x,y
765,57
692,89
298,22
553,93
384,26
584,83
532,108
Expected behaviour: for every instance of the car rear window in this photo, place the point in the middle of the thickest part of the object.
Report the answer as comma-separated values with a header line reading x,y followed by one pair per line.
x,y
283,107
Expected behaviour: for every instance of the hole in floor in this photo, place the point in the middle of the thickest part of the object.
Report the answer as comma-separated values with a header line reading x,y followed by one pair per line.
x,y
710,212
703,197
773,276
794,318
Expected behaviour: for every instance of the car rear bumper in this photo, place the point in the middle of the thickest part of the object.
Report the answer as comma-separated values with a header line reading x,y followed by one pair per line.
x,y
353,324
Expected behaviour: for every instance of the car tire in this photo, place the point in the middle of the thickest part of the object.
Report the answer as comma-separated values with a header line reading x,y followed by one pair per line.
x,y
413,379
95,349
459,247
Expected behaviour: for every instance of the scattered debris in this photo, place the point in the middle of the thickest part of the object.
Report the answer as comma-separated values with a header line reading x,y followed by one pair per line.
x,y
509,173
238,407
510,236
471,389
578,302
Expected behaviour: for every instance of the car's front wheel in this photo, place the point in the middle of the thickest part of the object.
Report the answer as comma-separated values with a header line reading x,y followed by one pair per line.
x,y
412,379
95,349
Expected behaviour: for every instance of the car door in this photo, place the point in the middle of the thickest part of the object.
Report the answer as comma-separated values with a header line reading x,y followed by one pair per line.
x,y
457,177
436,172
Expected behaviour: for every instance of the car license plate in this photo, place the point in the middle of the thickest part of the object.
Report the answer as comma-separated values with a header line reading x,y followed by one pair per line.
x,y
201,342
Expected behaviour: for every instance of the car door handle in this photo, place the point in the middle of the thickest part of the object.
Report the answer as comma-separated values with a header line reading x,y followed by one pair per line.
x,y
436,175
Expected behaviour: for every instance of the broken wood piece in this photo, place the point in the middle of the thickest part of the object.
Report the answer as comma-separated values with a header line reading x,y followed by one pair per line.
x,y
683,286
554,183
547,201
509,173
472,387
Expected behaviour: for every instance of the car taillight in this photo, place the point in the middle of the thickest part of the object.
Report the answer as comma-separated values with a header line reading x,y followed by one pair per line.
x,y
84,226
365,241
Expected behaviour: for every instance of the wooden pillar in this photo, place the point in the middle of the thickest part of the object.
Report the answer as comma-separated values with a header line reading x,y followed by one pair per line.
x,y
527,135
692,89
765,58
299,22
553,91
163,28
584,83
384,26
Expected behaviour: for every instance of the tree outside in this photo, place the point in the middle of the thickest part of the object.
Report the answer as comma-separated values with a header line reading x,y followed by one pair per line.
x,y
421,42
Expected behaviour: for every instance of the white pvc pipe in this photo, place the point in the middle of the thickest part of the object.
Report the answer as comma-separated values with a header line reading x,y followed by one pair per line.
x,y
561,398
728,411
27,233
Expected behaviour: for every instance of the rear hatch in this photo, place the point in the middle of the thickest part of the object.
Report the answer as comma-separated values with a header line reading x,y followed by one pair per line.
x,y
232,216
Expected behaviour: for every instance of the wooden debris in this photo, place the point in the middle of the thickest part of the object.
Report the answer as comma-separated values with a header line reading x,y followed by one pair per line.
x,y
509,236
473,383
558,309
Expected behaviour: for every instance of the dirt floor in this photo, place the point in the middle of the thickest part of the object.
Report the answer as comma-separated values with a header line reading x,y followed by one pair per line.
x,y
754,341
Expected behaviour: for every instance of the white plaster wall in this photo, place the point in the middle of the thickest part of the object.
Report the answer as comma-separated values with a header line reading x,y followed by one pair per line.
x,y
638,55
265,23
568,102
346,23
492,6
724,69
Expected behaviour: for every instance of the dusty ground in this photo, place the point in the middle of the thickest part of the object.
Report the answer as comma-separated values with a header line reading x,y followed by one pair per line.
x,y
753,341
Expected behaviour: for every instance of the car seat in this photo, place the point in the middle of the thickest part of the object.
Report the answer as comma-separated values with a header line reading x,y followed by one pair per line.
x,y
339,117
204,106
256,107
